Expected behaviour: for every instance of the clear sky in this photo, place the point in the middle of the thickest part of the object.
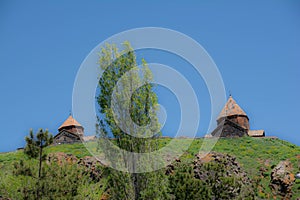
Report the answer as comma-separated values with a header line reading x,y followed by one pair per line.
x,y
255,44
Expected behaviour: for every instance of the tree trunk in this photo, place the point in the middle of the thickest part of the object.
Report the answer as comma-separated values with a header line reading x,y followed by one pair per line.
x,y
136,183
40,170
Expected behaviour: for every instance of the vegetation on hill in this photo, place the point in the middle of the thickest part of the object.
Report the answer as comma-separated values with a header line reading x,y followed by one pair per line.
x,y
256,156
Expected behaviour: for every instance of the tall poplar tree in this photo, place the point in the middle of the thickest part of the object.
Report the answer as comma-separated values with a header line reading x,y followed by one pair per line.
x,y
119,80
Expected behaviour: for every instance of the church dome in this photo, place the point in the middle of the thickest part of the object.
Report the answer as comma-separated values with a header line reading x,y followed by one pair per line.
x,y
231,108
72,126
233,112
69,122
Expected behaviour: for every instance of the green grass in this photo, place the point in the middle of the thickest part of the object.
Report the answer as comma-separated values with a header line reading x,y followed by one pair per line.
x,y
251,153
77,149
11,156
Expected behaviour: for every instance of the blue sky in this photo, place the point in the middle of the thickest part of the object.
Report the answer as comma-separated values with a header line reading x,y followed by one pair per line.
x,y
255,44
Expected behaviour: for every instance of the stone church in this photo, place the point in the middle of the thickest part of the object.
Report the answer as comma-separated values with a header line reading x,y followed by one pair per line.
x,y
70,132
231,122
234,122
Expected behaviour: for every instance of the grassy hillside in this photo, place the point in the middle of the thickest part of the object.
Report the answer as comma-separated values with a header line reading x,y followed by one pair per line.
x,y
253,154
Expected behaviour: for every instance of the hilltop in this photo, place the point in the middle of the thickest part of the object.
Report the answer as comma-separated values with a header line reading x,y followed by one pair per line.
x,y
256,156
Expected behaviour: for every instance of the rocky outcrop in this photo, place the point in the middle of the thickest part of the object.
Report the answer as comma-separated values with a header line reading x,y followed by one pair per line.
x,y
282,180
228,162
61,158
225,173
171,167
90,165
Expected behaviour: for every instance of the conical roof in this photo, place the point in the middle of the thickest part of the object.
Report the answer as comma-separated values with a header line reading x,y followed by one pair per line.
x,y
69,122
231,108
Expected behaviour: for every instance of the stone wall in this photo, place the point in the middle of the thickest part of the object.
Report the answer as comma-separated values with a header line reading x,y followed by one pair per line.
x,y
73,129
66,138
241,120
228,128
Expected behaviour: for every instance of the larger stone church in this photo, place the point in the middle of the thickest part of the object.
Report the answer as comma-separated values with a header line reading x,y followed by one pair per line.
x,y
234,122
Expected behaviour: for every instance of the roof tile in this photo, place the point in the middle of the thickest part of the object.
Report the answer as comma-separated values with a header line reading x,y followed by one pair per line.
x,y
231,108
69,122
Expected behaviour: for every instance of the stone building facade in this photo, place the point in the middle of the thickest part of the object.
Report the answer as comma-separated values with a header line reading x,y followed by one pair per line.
x,y
234,122
69,132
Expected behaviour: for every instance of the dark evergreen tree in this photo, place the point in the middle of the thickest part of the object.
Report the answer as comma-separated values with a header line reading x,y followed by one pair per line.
x,y
35,145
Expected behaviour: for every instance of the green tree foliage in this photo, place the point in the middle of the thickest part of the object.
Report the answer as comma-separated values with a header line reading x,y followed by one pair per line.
x,y
41,181
52,179
35,145
34,149
120,78
56,181
183,184
216,182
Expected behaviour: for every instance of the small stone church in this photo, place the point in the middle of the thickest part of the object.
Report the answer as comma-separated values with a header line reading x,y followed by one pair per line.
x,y
70,132
234,122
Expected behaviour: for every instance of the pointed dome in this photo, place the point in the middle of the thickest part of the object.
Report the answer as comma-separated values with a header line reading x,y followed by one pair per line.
x,y
231,108
70,122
